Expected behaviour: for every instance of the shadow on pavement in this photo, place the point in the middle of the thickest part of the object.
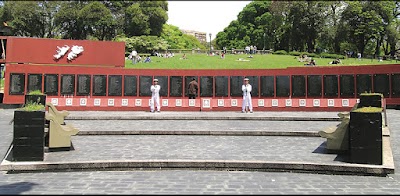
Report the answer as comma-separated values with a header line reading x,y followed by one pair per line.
x,y
341,156
16,188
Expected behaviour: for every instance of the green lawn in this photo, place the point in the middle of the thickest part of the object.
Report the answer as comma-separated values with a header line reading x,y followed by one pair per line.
x,y
267,61
2,81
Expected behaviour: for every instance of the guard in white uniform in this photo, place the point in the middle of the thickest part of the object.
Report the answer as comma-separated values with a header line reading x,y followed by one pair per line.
x,y
246,88
155,96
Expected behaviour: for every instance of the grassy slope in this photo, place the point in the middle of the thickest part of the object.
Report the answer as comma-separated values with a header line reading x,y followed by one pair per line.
x,y
268,61
2,82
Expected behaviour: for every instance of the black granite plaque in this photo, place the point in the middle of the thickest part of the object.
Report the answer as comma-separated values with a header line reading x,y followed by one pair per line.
x,y
298,86
330,85
130,85
17,84
282,86
188,79
114,85
145,83
221,86
381,84
51,84
347,86
267,85
163,82
236,86
99,85
67,84
314,86
83,85
395,85
253,81
34,82
206,86
176,86
364,83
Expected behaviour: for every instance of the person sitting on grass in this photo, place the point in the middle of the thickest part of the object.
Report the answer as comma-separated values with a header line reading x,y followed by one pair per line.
x,y
147,60
184,56
312,63
336,61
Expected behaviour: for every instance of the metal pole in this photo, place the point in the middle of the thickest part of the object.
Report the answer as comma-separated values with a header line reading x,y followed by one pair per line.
x,y
210,43
264,44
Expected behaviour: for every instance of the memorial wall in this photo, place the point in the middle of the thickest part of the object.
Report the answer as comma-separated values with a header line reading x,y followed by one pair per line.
x,y
306,83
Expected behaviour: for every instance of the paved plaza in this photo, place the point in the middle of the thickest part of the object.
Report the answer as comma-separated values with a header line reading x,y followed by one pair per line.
x,y
196,136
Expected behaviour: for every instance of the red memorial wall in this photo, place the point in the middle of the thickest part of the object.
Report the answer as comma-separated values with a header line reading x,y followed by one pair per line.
x,y
42,51
95,79
383,78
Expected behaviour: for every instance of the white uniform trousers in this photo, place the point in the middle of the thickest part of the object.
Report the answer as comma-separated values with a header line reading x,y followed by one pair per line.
x,y
247,102
155,100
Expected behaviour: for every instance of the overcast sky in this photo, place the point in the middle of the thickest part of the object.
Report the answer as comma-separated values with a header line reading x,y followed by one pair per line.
x,y
204,16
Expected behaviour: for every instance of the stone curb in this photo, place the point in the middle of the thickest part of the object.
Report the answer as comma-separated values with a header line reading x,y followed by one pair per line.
x,y
198,118
216,133
355,169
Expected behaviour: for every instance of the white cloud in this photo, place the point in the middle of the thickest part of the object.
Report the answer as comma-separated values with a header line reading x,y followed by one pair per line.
x,y
205,16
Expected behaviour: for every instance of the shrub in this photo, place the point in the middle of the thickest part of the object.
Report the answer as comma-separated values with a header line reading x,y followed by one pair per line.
x,y
35,92
333,56
32,106
280,52
295,53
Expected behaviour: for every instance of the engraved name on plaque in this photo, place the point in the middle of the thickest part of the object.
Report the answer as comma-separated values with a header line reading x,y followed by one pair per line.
x,y
130,85
176,86
67,84
206,86
17,84
221,86
83,85
51,84
99,85
115,85
34,82
145,83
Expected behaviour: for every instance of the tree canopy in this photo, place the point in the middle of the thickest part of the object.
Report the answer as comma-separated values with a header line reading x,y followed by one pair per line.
x,y
99,20
141,24
368,27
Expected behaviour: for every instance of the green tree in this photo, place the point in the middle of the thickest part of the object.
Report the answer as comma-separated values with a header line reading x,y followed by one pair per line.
x,y
118,10
100,20
306,19
97,21
393,29
157,15
363,22
136,21
48,11
328,38
67,20
25,17
143,44
178,40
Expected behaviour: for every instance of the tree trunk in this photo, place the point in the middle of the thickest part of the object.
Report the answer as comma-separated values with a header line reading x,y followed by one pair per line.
x,y
378,46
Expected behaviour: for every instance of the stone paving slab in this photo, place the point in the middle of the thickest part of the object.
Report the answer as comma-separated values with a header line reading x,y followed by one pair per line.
x,y
305,154
200,127
172,115
224,151
193,182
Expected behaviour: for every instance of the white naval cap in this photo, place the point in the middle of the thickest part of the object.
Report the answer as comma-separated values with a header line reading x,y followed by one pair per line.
x,y
246,79
155,80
